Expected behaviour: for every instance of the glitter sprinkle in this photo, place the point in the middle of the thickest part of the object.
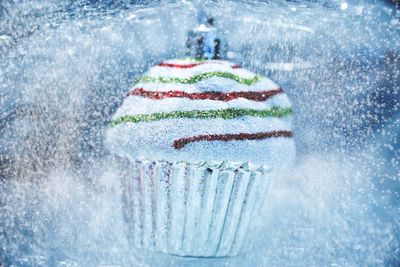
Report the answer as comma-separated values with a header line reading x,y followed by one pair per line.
x,y
255,96
180,143
200,77
229,113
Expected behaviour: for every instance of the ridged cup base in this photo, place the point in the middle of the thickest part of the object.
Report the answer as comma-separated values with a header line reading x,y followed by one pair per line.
x,y
191,209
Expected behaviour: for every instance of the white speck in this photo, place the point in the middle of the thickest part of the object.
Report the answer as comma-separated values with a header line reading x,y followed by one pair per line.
x,y
344,6
359,10
5,40
231,54
203,28
131,17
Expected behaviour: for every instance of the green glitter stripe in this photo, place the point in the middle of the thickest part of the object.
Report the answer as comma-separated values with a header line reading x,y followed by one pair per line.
x,y
229,113
200,77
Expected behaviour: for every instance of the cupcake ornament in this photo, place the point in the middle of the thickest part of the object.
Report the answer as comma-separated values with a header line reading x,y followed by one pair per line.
x,y
201,138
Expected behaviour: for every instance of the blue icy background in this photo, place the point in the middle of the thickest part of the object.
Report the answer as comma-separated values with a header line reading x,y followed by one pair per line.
x,y
66,65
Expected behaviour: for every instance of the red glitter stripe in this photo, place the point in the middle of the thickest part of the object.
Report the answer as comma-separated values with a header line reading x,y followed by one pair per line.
x,y
256,96
180,143
183,66
188,66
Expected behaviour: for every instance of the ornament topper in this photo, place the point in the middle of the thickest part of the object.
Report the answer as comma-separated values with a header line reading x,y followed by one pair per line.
x,y
204,41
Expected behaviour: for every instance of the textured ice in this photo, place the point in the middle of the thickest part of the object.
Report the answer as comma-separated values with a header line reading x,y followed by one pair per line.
x,y
72,63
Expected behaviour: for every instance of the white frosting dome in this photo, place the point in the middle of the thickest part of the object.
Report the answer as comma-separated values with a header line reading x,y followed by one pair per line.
x,y
195,110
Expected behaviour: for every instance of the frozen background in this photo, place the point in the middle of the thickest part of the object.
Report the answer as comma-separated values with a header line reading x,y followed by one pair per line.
x,y
66,65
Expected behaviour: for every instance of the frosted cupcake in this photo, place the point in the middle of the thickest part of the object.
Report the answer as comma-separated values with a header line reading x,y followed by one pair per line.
x,y
199,138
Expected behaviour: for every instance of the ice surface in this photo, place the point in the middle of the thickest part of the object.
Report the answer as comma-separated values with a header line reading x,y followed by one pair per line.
x,y
65,66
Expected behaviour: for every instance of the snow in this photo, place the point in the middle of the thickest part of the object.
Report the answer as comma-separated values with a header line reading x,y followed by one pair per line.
x,y
60,194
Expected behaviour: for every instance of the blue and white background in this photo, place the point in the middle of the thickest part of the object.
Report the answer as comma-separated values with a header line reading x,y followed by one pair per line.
x,y
66,65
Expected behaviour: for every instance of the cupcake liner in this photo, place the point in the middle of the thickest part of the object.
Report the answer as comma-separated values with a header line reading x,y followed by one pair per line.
x,y
191,209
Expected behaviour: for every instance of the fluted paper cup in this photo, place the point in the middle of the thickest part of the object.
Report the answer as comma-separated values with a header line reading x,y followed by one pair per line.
x,y
191,209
